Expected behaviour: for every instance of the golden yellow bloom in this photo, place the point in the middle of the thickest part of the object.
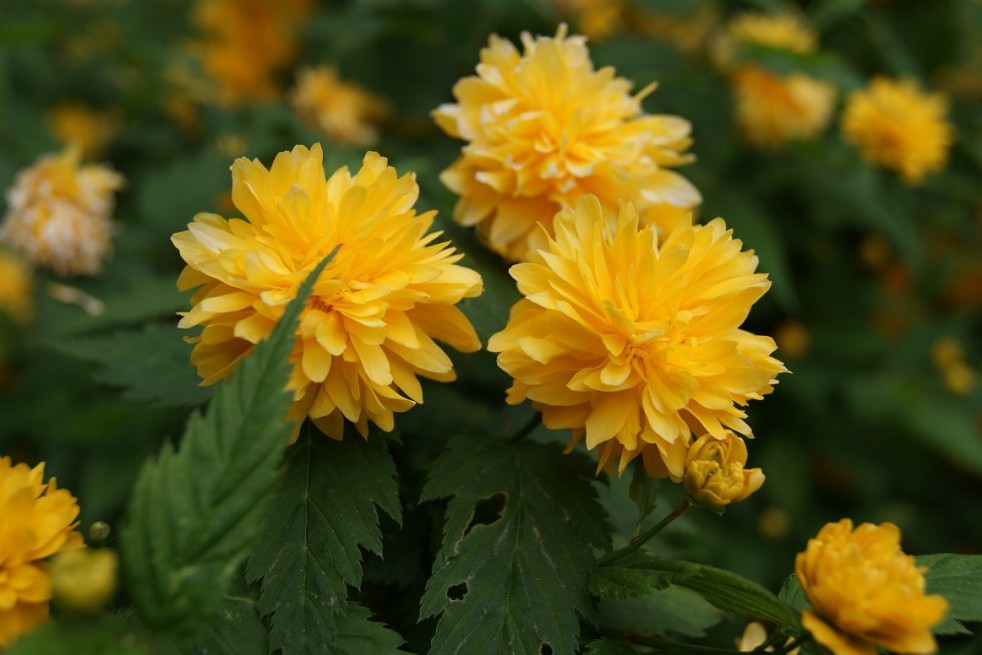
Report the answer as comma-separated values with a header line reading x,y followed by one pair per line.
x,y
635,342
897,126
368,329
865,592
16,287
715,473
779,31
772,110
543,129
343,111
90,130
84,580
246,43
58,213
37,520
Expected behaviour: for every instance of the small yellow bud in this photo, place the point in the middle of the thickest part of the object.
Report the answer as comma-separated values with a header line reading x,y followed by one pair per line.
x,y
84,580
714,472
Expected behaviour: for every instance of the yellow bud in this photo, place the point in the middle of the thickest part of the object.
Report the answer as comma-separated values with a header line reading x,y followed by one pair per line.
x,y
84,580
714,472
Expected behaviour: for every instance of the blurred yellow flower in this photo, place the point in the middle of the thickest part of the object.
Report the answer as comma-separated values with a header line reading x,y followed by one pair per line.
x,y
16,287
597,19
779,31
343,111
245,43
897,126
634,342
90,130
793,339
58,213
865,592
543,129
715,473
37,520
84,580
368,329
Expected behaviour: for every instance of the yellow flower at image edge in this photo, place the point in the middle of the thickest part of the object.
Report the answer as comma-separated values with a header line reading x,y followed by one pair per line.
x,y
865,592
715,473
632,343
37,520
368,329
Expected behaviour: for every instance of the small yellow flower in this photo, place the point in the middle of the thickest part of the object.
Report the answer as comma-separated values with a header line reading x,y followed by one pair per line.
x,y
897,126
16,287
865,592
754,636
74,123
597,19
778,31
545,128
84,580
633,342
369,328
58,213
714,472
793,339
343,111
37,520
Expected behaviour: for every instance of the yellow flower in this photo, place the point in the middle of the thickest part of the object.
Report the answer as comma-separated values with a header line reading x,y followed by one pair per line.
x,y
58,213
84,580
37,520
368,329
865,592
74,123
595,18
899,127
633,342
543,129
16,287
343,111
714,472
246,43
793,339
778,31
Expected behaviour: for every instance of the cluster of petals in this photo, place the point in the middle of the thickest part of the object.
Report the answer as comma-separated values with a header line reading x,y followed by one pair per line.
x,y
865,592
633,341
58,213
369,328
896,125
544,128
37,520
343,111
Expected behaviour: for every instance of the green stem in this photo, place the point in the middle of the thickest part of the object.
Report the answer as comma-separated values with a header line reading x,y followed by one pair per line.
x,y
526,429
664,645
640,540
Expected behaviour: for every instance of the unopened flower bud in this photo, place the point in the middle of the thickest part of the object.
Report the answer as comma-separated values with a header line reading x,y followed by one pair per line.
x,y
84,580
714,472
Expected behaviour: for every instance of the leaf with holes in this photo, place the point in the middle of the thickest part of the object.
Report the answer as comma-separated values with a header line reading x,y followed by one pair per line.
x,y
521,525
309,547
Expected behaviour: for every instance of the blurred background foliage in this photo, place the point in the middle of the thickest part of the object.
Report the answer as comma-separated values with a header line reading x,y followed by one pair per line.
x,y
877,286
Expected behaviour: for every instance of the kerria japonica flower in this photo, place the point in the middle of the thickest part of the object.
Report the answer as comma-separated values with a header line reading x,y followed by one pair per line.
x,y
897,126
633,341
368,329
37,520
543,128
865,592
58,213
343,111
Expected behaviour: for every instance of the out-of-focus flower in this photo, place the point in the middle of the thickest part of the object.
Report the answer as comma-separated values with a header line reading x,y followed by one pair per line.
x,y
543,129
37,520
948,355
865,592
597,19
16,287
245,43
634,342
793,339
754,636
345,112
947,351
774,523
897,126
875,252
715,473
58,213
84,580
689,32
90,130
368,330
778,31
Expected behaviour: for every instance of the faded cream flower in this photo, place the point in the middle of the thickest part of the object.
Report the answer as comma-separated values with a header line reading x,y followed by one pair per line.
x,y
896,125
368,330
58,213
715,473
543,128
16,287
865,592
344,111
634,342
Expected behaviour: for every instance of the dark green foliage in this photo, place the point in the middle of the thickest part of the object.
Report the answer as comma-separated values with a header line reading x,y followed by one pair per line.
x,y
959,579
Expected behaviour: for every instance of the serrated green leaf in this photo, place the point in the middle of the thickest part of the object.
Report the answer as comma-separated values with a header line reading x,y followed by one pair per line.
x,y
309,547
618,582
359,635
195,511
644,493
793,595
516,577
89,636
959,579
150,363
235,628
608,647
673,609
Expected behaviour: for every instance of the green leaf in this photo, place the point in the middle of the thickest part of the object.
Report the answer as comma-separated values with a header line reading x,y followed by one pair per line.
x,y
358,635
309,544
673,609
724,590
959,579
88,636
235,628
201,179
644,493
521,525
150,363
624,582
793,595
195,511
